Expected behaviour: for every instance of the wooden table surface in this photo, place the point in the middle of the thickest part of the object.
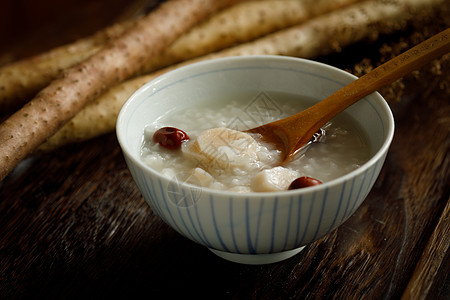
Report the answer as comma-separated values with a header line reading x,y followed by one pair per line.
x,y
73,223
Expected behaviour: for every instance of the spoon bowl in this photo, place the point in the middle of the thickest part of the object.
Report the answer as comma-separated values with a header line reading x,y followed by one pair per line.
x,y
290,134
263,227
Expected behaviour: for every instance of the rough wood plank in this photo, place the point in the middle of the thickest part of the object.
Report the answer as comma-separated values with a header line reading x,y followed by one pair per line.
x,y
434,263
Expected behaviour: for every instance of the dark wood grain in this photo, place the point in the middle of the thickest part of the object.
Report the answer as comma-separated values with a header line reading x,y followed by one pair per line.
x,y
434,261
73,223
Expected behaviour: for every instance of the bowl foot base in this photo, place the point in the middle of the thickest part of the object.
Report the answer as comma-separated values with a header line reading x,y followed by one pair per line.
x,y
257,259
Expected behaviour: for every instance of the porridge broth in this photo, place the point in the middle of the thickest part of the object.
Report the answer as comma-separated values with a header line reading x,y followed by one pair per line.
x,y
341,149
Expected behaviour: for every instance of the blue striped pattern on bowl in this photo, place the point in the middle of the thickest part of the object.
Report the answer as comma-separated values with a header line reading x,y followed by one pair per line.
x,y
254,224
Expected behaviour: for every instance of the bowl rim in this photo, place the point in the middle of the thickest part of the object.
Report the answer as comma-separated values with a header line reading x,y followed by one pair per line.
x,y
390,128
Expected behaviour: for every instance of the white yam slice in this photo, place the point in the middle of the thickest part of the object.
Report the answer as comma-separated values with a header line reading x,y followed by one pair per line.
x,y
272,180
200,177
221,149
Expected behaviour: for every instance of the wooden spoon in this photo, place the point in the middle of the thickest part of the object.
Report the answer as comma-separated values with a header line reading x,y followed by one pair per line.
x,y
290,134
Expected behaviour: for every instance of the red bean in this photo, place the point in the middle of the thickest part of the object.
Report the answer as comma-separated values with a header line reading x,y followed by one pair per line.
x,y
170,137
303,182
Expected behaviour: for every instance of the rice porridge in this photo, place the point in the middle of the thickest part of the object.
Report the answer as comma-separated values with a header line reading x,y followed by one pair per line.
x,y
213,152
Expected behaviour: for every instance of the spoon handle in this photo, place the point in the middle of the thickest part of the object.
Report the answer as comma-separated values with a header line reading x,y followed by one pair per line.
x,y
383,75
294,132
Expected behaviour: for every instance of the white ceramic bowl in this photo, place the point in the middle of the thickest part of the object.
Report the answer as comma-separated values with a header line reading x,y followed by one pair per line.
x,y
252,228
